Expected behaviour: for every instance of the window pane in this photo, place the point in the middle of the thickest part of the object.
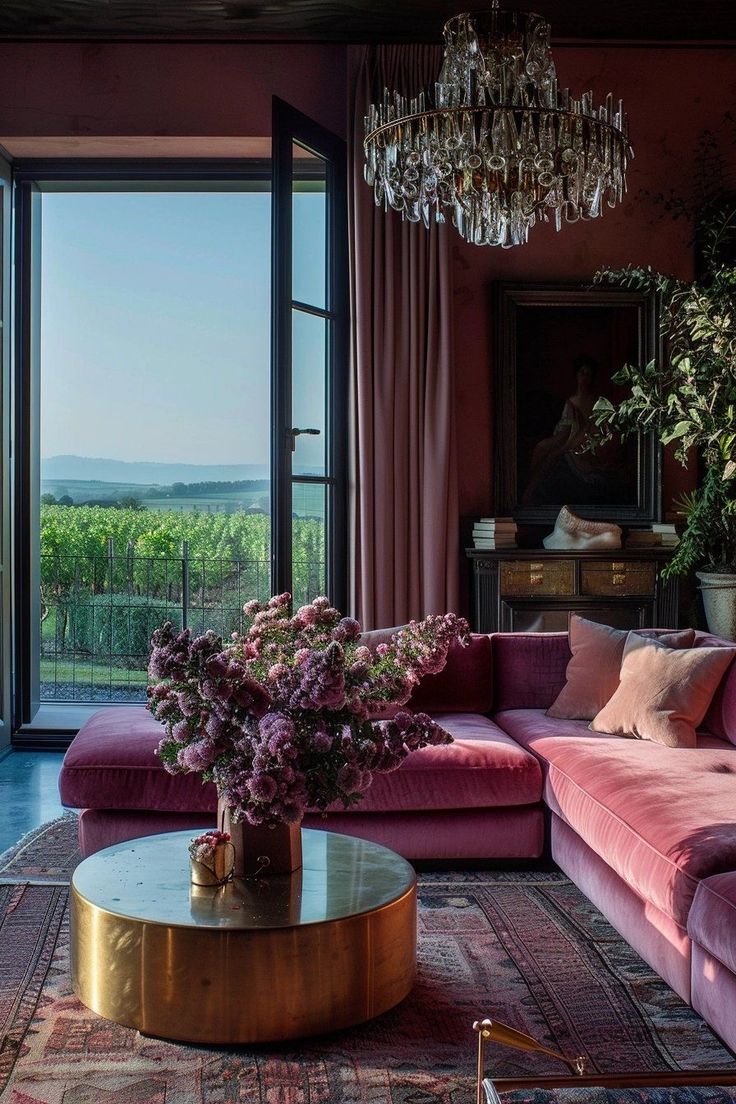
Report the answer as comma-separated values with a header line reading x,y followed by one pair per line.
x,y
308,401
155,426
309,241
308,541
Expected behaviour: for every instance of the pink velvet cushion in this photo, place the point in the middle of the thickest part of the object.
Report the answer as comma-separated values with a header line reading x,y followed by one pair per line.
x,y
593,671
111,765
662,818
664,693
712,919
483,767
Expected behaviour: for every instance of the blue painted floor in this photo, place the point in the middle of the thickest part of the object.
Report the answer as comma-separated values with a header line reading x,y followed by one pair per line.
x,y
29,792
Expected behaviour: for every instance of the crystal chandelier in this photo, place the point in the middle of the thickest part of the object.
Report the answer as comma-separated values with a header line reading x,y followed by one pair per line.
x,y
497,145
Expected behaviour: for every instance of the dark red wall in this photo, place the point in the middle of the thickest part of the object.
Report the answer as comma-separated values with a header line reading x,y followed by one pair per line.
x,y
672,96
166,89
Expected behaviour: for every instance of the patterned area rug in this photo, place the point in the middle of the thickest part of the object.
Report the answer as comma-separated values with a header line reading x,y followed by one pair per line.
x,y
527,948
46,856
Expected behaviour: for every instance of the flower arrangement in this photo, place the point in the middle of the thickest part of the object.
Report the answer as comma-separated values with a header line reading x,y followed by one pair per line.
x,y
292,714
202,848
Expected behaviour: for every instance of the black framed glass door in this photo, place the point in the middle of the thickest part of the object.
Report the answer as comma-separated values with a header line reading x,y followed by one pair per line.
x,y
5,376
309,358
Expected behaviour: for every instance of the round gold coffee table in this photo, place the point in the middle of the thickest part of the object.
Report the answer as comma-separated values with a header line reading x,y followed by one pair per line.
x,y
331,945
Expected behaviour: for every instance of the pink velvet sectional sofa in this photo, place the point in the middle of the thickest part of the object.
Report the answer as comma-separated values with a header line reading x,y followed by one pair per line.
x,y
647,832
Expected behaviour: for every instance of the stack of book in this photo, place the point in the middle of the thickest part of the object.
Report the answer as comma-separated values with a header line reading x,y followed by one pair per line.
x,y
494,533
667,532
660,534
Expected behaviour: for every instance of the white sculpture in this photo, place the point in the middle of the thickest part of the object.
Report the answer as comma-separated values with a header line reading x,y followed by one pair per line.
x,y
571,531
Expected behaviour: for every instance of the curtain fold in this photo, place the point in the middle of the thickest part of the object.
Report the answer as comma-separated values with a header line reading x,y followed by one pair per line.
x,y
404,508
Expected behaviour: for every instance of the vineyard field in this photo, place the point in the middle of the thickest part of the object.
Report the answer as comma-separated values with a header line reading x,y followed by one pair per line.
x,y
109,576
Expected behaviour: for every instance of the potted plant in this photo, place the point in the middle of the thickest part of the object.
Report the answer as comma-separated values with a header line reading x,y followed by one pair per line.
x,y
690,400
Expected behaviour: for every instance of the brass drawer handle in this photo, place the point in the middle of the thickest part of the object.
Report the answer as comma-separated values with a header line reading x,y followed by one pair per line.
x,y
618,574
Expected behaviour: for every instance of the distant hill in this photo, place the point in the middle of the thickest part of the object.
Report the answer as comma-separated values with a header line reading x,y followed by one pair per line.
x,y
146,473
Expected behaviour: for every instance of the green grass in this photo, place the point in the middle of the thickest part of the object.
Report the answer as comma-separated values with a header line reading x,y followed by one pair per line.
x,y
96,674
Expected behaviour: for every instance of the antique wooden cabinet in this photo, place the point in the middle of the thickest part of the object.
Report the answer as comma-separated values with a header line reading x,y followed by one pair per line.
x,y
533,590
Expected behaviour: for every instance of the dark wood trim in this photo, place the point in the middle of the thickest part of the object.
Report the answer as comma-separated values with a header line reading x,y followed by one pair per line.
x,y
507,299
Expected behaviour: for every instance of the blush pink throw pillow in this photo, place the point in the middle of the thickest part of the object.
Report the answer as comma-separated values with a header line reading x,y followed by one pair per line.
x,y
593,672
664,693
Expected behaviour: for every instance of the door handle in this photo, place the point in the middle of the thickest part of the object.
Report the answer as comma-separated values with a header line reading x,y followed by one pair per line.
x,y
294,433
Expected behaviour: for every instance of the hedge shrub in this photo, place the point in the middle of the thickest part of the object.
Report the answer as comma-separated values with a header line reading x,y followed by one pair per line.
x,y
118,627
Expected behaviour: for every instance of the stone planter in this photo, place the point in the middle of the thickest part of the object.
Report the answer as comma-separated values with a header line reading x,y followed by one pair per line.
x,y
719,602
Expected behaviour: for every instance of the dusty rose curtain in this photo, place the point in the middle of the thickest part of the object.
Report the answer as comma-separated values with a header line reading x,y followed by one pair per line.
x,y
404,516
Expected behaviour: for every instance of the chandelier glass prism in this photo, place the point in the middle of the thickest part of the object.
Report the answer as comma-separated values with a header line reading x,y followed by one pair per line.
x,y
496,145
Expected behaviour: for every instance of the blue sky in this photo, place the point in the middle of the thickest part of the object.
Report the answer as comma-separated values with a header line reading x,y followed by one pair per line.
x,y
155,326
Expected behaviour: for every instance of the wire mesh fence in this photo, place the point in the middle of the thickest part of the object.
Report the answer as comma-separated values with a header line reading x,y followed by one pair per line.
x,y
98,613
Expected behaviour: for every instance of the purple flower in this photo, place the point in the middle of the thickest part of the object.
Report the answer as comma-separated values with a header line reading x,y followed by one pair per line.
x,y
180,732
321,740
198,756
263,788
280,718
347,629
348,778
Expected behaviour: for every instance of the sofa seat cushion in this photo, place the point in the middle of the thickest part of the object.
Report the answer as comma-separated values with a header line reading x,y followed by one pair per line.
x,y
532,728
662,818
111,764
482,768
712,919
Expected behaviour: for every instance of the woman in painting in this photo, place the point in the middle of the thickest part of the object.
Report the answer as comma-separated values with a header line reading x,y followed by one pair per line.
x,y
562,469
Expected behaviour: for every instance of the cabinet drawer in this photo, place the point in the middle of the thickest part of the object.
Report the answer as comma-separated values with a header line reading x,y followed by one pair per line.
x,y
612,577
551,577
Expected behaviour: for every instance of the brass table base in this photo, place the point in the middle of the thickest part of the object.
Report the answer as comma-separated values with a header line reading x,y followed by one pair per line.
x,y
330,946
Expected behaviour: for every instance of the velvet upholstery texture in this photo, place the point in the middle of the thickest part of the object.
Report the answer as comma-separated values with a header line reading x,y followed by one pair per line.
x,y
532,728
454,835
463,685
713,993
483,767
712,919
112,764
529,673
661,818
594,669
721,716
664,693
528,669
99,828
663,943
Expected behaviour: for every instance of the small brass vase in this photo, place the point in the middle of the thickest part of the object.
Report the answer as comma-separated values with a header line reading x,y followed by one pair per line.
x,y
219,871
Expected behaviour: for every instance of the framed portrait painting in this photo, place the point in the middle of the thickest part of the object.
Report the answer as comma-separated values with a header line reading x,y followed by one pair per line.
x,y
557,349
